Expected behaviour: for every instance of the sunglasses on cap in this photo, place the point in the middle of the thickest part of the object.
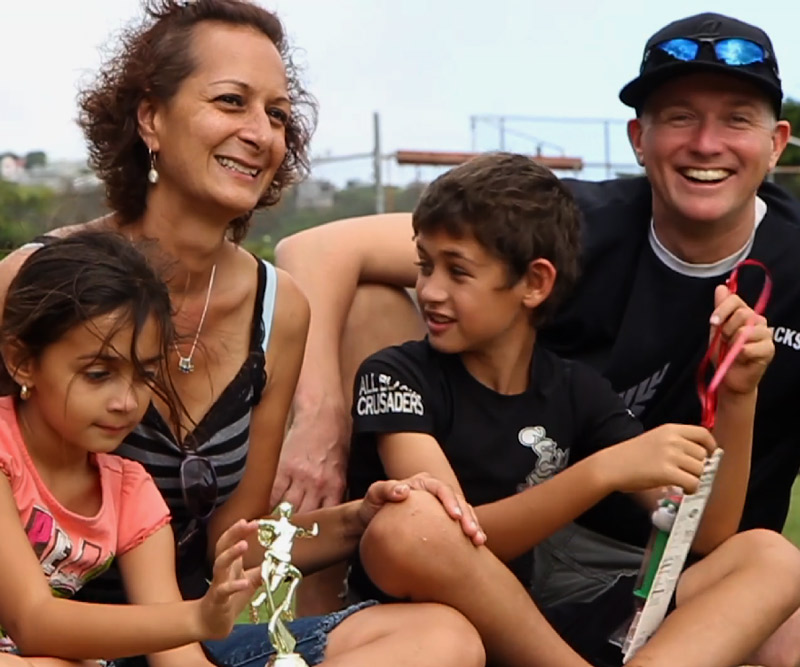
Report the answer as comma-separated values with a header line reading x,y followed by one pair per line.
x,y
200,491
733,51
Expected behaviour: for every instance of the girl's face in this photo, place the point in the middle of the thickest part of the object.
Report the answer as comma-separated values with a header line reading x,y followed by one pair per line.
x,y
222,137
85,391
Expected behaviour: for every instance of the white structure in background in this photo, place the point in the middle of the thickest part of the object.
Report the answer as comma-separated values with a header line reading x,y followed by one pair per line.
x,y
313,193
59,176
11,167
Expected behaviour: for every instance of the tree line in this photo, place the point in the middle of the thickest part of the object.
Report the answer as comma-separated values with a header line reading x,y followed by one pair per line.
x,y
26,211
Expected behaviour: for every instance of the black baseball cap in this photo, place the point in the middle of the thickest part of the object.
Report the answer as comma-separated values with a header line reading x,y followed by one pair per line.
x,y
707,29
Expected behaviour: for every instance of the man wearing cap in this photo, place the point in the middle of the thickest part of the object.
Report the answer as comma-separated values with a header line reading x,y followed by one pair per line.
x,y
707,103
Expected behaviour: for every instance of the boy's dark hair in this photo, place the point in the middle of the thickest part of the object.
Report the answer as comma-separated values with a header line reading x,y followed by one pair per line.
x,y
515,208
151,61
75,279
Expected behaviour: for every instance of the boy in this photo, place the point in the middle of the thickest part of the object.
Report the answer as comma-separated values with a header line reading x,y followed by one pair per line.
x,y
528,437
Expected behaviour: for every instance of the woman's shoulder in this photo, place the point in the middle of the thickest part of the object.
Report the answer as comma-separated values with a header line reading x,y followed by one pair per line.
x,y
292,312
12,262
104,223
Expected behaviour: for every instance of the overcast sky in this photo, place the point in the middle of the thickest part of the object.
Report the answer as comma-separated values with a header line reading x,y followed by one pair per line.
x,y
425,65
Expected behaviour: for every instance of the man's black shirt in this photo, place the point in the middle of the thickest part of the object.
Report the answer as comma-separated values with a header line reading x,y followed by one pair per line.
x,y
645,327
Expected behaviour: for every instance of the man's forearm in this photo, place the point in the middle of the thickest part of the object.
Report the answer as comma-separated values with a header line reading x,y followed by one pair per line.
x,y
328,263
329,279
734,433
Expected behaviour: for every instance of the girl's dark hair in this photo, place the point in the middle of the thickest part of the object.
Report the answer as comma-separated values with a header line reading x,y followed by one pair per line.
x,y
72,280
151,61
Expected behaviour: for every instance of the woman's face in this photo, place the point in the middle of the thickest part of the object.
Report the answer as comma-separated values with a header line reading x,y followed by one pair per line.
x,y
222,137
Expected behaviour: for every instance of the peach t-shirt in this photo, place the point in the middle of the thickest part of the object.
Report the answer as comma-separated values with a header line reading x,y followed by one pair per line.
x,y
73,548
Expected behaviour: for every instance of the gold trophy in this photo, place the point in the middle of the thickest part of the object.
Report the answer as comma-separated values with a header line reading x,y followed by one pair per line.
x,y
277,572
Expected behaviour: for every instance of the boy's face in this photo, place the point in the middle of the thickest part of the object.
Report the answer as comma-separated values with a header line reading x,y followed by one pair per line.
x,y
464,295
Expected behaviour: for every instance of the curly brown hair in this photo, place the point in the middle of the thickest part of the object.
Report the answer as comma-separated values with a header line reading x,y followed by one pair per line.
x,y
516,209
152,59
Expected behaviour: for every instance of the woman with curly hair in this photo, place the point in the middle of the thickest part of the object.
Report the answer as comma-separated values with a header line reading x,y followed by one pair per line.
x,y
198,119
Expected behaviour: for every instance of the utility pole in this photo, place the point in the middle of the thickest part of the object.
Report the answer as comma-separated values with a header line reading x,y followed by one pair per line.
x,y
380,199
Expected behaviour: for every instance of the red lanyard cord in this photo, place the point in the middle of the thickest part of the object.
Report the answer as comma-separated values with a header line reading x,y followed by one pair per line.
x,y
708,393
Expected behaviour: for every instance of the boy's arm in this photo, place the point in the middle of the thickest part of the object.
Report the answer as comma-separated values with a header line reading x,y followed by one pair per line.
x,y
669,455
513,525
736,409
328,263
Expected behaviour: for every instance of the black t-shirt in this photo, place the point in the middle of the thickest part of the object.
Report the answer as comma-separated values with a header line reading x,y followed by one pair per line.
x,y
496,444
644,326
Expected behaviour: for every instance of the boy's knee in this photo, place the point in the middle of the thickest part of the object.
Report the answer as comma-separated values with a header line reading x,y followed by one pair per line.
x,y
414,538
770,550
380,316
383,306
417,524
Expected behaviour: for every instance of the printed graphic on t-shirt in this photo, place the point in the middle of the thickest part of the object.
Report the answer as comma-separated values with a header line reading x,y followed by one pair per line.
x,y
551,459
788,337
636,397
380,394
66,567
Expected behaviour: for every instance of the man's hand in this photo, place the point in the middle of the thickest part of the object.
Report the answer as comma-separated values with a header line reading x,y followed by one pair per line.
x,y
669,455
231,586
312,467
731,315
393,491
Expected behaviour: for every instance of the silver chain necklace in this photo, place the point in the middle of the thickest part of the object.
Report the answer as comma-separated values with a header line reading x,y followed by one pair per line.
x,y
185,364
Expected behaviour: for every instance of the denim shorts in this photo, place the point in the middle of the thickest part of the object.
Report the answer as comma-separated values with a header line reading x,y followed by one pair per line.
x,y
249,645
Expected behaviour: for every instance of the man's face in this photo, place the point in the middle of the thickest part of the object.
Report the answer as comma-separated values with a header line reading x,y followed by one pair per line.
x,y
707,142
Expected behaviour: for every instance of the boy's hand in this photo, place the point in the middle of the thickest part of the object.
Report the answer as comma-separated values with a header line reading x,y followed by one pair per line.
x,y
669,455
731,315
392,491
231,586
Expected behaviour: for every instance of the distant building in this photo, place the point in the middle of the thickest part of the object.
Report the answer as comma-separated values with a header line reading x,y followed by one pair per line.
x,y
11,167
60,176
314,194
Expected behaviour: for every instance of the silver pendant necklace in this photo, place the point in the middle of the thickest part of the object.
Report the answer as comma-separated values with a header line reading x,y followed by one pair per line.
x,y
185,364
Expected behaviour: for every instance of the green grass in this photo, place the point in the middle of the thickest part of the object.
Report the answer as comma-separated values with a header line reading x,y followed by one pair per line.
x,y
792,528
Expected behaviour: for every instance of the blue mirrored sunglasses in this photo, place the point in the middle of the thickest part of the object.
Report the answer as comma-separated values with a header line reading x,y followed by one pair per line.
x,y
733,51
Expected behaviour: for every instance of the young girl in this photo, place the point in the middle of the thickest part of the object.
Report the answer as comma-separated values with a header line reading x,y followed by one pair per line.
x,y
197,119
85,330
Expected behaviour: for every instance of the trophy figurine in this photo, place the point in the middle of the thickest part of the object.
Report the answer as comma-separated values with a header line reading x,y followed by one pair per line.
x,y
277,572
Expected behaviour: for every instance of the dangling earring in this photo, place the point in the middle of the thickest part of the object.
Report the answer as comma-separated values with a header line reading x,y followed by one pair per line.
x,y
152,175
24,392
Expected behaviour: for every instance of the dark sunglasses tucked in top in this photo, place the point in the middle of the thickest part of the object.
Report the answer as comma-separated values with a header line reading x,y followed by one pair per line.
x,y
200,491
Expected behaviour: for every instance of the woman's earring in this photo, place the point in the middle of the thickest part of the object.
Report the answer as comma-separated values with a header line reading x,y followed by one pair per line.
x,y
152,175
24,392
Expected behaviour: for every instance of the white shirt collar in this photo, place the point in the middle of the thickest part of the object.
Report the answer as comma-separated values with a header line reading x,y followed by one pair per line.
x,y
718,268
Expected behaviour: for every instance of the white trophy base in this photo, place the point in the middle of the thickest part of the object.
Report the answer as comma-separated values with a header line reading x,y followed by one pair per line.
x,y
287,660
